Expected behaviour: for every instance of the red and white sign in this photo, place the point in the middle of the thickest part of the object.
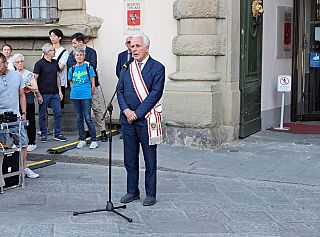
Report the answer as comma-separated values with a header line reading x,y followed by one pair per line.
x,y
133,16
284,83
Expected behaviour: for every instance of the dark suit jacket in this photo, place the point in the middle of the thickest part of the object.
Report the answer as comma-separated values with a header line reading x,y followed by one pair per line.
x,y
91,57
122,59
153,74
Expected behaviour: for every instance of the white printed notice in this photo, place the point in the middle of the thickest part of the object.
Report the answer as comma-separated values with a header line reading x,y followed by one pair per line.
x,y
284,83
133,16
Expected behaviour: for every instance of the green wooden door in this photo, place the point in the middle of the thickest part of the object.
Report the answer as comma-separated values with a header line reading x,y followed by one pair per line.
x,y
250,72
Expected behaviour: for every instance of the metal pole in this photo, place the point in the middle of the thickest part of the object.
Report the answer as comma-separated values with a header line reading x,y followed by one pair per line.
x,y
282,111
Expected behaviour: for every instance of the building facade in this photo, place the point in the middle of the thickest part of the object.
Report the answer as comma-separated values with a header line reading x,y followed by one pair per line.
x,y
222,57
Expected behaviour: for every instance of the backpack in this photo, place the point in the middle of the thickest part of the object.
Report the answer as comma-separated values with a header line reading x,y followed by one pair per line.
x,y
59,57
87,67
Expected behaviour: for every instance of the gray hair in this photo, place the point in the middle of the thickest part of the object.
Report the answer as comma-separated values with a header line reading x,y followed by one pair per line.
x,y
46,48
17,56
146,40
79,50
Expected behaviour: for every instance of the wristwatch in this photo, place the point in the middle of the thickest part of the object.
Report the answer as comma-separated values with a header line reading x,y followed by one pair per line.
x,y
23,113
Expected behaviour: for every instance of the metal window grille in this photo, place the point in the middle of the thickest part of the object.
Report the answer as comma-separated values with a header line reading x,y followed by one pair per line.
x,y
28,9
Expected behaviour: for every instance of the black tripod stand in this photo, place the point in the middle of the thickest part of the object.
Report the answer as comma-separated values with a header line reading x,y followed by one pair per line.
x,y
110,206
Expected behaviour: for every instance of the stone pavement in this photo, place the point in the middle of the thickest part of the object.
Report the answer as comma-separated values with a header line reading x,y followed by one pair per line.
x,y
265,185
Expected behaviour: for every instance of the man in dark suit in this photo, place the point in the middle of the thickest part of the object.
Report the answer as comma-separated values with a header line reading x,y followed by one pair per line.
x,y
124,56
138,95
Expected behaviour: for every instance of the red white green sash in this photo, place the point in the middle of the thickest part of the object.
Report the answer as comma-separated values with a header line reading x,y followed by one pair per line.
x,y
154,116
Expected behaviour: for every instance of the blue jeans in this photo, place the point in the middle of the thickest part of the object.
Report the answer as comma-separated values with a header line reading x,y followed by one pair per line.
x,y
82,107
54,101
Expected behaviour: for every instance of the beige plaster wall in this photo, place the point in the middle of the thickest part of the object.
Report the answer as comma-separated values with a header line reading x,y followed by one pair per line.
x,y
159,25
272,66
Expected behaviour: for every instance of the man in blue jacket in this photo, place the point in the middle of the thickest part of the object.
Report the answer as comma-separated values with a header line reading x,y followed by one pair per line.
x,y
139,93
78,40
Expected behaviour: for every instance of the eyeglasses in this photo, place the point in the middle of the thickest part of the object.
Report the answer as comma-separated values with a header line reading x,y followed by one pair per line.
x,y
4,79
21,61
52,50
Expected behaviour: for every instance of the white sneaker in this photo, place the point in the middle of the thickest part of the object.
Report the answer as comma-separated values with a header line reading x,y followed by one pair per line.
x,y
94,145
31,147
30,174
81,144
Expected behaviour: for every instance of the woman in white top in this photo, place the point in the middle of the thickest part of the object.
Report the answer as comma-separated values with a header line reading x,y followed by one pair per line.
x,y
30,89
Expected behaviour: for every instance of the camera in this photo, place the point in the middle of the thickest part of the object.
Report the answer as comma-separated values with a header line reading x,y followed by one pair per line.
x,y
8,117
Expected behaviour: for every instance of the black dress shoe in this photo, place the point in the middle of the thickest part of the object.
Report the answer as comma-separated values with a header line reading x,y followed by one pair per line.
x,y
129,197
149,201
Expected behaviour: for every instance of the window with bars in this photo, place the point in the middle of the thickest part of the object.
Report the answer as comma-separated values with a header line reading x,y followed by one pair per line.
x,y
28,9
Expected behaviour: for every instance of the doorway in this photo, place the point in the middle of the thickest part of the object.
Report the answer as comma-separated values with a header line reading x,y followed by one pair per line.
x,y
250,71
306,61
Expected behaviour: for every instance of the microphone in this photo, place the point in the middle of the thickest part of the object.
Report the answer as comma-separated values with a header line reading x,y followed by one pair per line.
x,y
126,65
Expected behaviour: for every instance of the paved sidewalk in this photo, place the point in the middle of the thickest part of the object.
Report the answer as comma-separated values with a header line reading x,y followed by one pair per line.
x,y
265,185
265,156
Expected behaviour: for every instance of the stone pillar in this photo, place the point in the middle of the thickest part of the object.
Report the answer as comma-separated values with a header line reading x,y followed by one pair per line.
x,y
194,99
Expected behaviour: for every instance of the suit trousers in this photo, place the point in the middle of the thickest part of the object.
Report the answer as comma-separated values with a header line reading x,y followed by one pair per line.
x,y
133,136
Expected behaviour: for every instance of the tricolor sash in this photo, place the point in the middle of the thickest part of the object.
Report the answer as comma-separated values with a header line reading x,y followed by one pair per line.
x,y
154,116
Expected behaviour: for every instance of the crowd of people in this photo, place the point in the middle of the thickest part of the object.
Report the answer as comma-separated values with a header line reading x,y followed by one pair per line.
x,y
139,90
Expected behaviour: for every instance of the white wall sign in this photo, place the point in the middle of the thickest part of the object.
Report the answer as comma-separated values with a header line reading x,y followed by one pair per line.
x,y
133,16
284,83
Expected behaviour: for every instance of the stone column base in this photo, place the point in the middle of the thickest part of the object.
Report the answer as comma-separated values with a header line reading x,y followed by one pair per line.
x,y
205,138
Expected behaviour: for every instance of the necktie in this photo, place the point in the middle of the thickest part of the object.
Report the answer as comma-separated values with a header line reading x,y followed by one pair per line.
x,y
140,66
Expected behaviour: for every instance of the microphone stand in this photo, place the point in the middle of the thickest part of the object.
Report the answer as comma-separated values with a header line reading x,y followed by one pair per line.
x,y
110,207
